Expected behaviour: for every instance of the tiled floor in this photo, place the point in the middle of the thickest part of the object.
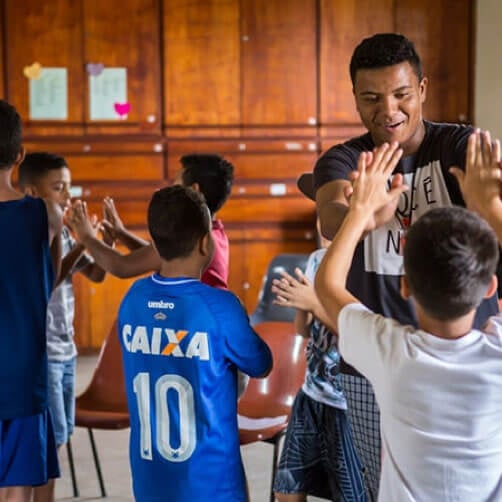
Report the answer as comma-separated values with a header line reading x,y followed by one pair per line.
x,y
112,447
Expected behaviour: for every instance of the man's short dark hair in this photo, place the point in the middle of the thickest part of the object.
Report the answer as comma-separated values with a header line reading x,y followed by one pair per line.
x,y
10,135
36,165
177,219
384,49
213,174
450,257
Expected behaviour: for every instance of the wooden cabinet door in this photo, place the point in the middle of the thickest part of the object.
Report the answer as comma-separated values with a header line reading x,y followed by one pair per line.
x,y
201,63
279,70
343,24
443,35
49,33
126,33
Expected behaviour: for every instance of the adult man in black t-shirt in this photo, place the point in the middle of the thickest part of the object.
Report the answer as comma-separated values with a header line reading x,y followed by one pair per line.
x,y
389,91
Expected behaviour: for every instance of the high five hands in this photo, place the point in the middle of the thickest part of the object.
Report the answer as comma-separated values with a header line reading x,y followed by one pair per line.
x,y
370,191
480,183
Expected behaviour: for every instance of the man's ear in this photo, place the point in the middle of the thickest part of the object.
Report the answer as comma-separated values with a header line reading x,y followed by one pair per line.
x,y
422,87
405,288
492,288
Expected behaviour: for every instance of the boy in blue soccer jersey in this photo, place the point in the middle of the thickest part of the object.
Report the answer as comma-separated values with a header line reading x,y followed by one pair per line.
x,y
182,343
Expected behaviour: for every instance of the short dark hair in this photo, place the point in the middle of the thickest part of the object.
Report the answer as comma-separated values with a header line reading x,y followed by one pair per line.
x,y
450,256
11,131
177,218
36,165
384,49
212,173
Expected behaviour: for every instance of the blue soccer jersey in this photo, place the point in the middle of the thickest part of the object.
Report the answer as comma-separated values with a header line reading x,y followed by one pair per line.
x,y
182,343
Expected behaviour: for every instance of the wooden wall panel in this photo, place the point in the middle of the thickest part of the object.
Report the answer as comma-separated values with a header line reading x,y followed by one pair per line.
x,y
279,72
126,33
49,33
2,75
115,167
343,24
442,33
201,70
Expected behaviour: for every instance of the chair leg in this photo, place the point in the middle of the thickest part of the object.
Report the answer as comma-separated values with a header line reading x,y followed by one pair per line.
x,y
275,458
69,450
97,464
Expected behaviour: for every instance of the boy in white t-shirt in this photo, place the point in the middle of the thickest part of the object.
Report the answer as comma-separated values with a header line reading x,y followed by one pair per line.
x,y
438,386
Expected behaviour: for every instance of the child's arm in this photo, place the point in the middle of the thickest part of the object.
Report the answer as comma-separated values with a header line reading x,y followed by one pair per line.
x,y
481,182
369,195
69,261
299,294
55,221
140,261
113,224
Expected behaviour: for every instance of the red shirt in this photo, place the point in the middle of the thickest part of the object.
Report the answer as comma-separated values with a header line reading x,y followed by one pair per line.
x,y
216,274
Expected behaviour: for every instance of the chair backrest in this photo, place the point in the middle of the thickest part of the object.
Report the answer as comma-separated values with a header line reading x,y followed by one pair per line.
x,y
273,395
266,310
106,389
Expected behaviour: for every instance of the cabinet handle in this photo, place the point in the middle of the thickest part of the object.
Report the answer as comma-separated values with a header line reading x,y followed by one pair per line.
x,y
246,285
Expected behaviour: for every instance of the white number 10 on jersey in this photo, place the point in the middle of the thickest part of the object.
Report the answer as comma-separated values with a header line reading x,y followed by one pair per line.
x,y
188,438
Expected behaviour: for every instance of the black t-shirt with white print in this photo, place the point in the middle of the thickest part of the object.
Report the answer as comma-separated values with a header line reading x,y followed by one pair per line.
x,y
378,263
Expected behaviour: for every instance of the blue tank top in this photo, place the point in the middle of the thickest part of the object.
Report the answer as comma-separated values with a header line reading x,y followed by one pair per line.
x,y
26,278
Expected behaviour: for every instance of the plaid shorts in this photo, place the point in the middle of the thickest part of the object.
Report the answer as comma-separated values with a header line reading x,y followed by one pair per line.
x,y
318,457
364,417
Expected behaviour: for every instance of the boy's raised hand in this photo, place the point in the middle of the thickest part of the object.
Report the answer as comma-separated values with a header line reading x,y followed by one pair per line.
x,y
297,293
111,220
80,222
370,191
481,182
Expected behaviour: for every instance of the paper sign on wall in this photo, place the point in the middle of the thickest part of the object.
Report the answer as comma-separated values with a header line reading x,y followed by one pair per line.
x,y
49,95
106,89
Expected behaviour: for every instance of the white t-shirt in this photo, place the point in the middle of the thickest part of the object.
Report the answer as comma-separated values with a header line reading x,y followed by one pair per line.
x,y
441,406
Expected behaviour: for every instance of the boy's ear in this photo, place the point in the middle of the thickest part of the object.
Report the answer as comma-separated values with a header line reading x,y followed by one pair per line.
x,y
195,186
20,156
205,245
492,288
405,288
31,190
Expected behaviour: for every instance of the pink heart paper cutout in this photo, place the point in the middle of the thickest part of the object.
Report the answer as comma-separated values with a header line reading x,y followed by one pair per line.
x,y
95,69
122,109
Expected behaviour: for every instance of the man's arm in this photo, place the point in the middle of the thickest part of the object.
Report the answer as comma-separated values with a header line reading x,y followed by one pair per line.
x,y
369,196
480,184
332,206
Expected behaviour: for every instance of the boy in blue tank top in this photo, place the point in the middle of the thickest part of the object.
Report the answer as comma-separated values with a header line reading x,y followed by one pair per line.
x,y
183,343
30,255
